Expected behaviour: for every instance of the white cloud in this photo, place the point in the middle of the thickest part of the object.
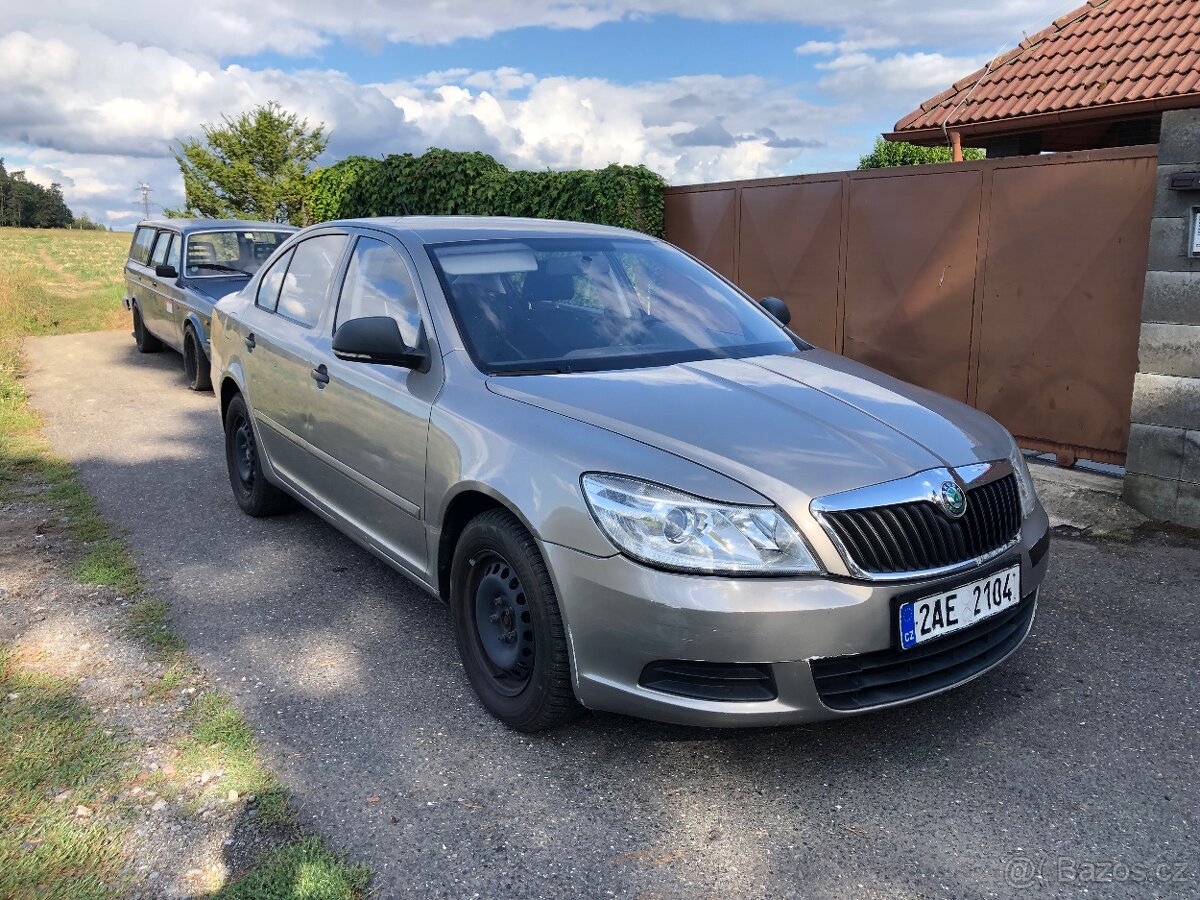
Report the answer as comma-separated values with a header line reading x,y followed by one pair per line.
x,y
922,74
99,129
298,27
93,94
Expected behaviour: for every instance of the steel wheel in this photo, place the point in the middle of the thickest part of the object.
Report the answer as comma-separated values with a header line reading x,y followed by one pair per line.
x,y
252,488
145,341
190,364
503,624
245,454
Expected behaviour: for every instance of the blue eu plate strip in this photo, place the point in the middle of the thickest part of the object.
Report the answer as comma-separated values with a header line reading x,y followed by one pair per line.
x,y
908,627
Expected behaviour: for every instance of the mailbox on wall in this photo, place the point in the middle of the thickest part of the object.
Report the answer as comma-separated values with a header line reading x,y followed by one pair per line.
x,y
1190,181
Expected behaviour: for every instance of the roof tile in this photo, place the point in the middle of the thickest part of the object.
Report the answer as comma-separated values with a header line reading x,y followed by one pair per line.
x,y
1106,51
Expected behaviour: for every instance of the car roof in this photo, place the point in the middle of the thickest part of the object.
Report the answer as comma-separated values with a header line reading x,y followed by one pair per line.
x,y
185,226
435,229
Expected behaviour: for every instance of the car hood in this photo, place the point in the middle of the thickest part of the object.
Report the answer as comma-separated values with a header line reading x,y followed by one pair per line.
x,y
217,288
791,427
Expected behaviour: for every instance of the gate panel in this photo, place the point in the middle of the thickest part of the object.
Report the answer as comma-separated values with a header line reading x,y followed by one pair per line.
x,y
704,224
790,247
1065,265
910,277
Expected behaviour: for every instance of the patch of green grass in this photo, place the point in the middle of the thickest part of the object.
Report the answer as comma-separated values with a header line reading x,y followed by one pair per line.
x,y
301,871
72,500
49,743
110,563
51,282
172,680
149,623
221,739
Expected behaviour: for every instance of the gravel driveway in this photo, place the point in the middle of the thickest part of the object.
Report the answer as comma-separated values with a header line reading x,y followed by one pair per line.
x,y
1080,752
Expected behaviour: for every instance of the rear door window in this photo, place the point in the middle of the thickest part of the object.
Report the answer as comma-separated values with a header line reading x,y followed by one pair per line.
x,y
143,240
306,284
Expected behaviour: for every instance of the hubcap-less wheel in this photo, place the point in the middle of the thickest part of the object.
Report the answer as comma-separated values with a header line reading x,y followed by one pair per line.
x,y
190,364
139,330
503,623
244,453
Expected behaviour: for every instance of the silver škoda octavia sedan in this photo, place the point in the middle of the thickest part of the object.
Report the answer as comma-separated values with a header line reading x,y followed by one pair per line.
x,y
634,487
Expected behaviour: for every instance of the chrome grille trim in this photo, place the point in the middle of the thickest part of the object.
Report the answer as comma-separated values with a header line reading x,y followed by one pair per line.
x,y
891,517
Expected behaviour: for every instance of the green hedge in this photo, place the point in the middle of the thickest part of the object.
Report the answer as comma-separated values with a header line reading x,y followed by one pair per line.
x,y
442,182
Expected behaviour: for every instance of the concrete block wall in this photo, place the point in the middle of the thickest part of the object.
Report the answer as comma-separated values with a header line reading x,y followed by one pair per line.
x,y
1163,466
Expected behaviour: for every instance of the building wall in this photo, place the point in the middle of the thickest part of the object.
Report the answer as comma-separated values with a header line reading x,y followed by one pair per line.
x,y
1163,461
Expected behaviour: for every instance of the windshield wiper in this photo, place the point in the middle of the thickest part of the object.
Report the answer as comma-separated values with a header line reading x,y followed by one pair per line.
x,y
546,370
218,267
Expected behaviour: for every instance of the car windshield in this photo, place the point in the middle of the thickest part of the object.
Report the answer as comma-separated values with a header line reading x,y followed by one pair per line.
x,y
545,305
225,254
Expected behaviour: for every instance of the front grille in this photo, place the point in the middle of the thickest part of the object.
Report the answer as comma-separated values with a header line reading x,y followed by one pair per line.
x,y
857,682
919,537
728,682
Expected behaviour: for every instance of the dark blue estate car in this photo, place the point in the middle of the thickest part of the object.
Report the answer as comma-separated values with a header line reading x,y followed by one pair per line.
x,y
178,269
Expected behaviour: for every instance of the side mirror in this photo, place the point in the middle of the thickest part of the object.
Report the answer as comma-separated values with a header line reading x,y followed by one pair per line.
x,y
777,308
376,339
166,270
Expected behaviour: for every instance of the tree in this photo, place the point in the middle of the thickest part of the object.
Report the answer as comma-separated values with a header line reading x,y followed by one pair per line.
x,y
250,167
25,204
52,210
899,153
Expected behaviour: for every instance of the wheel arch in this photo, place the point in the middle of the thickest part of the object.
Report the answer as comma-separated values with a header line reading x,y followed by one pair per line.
x,y
194,322
467,503
229,389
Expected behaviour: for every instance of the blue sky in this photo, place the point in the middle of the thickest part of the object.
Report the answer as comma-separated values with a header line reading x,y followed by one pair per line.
x,y
93,95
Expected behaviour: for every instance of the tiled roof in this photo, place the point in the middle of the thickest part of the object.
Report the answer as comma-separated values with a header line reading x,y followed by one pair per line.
x,y
1107,52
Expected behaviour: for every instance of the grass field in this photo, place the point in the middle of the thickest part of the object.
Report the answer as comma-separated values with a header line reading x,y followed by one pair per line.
x,y
51,282
56,282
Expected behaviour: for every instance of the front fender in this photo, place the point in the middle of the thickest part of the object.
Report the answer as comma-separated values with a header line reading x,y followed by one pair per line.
x,y
196,322
501,447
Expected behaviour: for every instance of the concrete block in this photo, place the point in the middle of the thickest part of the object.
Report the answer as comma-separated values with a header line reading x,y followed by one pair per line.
x,y
1187,506
1170,350
1190,470
1155,450
1174,204
1179,142
1166,400
1172,297
1153,497
1168,241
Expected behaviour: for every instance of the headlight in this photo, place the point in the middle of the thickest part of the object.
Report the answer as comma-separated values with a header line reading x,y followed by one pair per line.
x,y
666,527
1024,479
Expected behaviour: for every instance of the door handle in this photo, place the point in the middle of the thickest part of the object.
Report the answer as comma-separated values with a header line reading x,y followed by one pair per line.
x,y
320,375
250,341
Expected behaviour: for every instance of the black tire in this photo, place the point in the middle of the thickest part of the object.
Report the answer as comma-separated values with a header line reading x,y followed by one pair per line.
x,y
195,362
254,494
145,341
498,571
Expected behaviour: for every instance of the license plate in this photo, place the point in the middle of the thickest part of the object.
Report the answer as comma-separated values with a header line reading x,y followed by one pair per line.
x,y
940,614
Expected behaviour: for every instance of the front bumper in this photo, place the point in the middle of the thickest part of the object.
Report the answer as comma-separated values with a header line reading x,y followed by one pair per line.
x,y
622,616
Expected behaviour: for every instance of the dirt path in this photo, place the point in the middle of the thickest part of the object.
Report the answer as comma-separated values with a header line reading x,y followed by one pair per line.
x,y
184,834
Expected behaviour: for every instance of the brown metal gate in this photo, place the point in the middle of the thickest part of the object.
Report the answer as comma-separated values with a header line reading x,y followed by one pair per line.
x,y
1014,284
